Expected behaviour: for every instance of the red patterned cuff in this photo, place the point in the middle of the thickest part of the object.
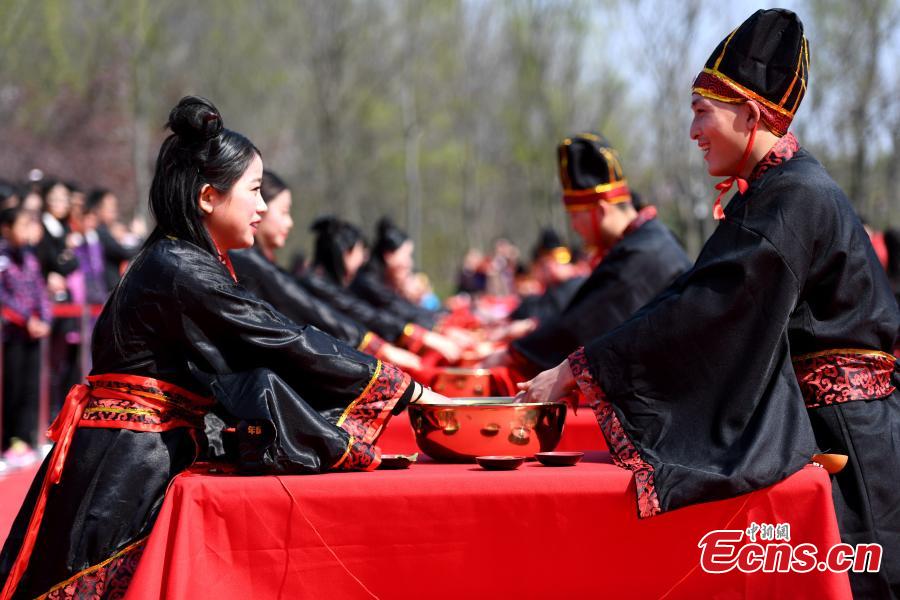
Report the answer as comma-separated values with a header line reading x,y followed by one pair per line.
x,y
366,416
592,392
371,344
359,456
621,448
412,338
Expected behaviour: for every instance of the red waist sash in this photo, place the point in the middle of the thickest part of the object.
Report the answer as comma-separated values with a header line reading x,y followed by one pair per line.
x,y
844,375
111,401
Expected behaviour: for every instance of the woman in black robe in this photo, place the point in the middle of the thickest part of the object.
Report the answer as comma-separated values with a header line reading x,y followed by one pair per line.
x,y
178,334
339,253
391,253
777,344
257,271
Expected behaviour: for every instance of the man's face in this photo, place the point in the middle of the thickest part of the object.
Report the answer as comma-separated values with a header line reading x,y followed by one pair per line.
x,y
583,223
721,131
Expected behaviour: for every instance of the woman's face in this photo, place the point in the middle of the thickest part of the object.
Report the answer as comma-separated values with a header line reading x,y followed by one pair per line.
x,y
233,217
19,233
58,201
108,210
721,132
277,223
353,260
400,262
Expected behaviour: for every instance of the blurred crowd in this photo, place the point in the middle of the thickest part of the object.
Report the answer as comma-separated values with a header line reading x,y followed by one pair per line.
x,y
62,248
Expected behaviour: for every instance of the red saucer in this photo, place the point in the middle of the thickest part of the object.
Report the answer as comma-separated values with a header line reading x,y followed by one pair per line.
x,y
558,459
500,463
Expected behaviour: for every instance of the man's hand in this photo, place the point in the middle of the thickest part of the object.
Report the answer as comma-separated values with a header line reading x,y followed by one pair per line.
x,y
550,386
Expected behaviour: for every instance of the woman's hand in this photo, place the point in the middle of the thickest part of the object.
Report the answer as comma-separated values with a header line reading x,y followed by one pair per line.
x,y
401,358
550,386
500,358
442,345
425,394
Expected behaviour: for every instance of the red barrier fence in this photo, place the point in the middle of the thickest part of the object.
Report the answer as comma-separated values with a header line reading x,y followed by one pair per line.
x,y
85,313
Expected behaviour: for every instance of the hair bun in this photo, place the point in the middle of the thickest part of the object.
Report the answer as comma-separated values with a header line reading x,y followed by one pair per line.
x,y
324,225
195,119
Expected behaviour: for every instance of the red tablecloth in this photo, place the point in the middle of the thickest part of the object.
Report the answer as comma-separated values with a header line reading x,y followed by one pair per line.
x,y
580,433
454,531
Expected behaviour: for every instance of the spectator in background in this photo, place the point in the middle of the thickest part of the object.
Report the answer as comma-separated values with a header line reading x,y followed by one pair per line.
x,y
116,252
26,316
472,278
76,203
502,270
9,195
56,253
87,284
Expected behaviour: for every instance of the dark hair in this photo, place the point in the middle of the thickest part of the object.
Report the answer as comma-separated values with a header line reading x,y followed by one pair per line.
x,y
334,237
46,186
73,187
271,185
7,191
388,238
9,215
199,151
95,198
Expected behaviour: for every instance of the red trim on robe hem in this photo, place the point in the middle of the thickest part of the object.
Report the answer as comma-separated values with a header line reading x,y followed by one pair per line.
x,y
621,448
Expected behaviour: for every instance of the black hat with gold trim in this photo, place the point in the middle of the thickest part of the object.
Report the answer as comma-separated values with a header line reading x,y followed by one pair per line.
x,y
550,244
766,59
590,171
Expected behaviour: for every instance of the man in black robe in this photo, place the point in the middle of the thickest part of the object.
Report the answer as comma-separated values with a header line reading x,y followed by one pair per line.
x,y
640,256
777,344
552,267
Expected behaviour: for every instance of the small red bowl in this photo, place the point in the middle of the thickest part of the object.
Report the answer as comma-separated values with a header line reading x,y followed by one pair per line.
x,y
500,463
558,459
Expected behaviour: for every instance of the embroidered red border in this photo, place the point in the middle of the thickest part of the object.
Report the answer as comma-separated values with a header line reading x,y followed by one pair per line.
x,y
109,579
778,122
838,376
366,416
621,448
783,150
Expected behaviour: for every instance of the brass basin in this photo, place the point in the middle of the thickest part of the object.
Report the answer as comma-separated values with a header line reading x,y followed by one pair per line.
x,y
460,429
458,382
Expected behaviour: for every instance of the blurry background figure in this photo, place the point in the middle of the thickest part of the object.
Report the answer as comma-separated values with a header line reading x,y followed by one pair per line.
x,y
878,243
417,289
525,282
56,253
502,268
26,318
472,278
552,269
298,264
9,195
117,245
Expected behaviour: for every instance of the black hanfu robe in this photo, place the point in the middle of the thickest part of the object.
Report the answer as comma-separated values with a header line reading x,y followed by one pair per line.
x,y
774,346
639,266
280,289
178,332
369,284
551,303
382,322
